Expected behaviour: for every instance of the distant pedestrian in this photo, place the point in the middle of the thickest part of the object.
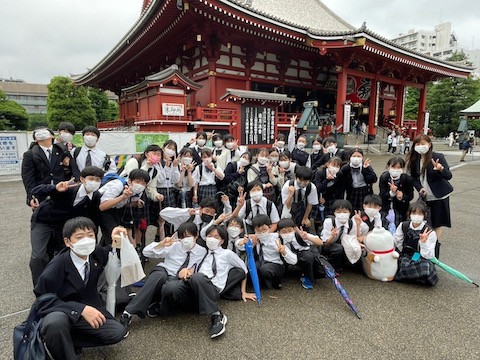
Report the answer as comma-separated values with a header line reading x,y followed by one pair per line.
x,y
465,146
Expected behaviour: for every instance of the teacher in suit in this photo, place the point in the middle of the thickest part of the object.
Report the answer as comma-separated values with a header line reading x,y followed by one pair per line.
x,y
431,175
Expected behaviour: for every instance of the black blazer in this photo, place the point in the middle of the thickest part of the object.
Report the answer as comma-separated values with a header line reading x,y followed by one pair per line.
x,y
342,154
438,181
330,189
61,277
37,170
369,177
405,185
59,207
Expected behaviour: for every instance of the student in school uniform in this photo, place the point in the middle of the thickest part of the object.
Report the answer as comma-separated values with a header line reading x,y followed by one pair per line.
x,y
236,177
431,175
300,198
271,256
330,184
118,199
235,229
186,181
90,155
197,145
359,178
280,143
221,274
330,146
78,318
205,175
256,204
181,256
371,215
416,242
396,189
299,155
66,130
67,200
286,169
305,245
43,163
264,171
316,154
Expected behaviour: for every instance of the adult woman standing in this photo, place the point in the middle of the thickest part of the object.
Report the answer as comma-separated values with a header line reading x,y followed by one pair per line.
x,y
430,173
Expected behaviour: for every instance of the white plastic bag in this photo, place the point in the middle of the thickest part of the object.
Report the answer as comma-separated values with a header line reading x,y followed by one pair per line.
x,y
131,265
352,248
112,273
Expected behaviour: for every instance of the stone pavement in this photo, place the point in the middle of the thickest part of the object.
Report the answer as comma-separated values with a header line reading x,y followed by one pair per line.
x,y
398,321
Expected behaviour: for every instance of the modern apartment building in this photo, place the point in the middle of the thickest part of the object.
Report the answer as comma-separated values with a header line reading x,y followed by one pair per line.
x,y
33,97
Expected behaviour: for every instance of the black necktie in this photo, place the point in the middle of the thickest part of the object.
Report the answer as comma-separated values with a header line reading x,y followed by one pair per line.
x,y
185,263
260,254
258,209
214,264
340,233
87,272
218,152
88,160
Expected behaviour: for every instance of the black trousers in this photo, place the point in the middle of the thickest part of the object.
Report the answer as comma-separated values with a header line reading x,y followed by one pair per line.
x,y
199,293
150,292
270,274
62,336
334,254
41,237
308,262
109,220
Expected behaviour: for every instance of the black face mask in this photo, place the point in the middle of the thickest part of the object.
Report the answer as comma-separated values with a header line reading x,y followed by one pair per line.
x,y
206,218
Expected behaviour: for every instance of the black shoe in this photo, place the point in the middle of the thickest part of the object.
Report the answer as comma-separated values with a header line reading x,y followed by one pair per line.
x,y
218,325
153,310
126,320
78,350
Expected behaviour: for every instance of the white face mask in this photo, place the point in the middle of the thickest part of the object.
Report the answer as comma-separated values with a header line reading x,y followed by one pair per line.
x,y
43,134
234,231
212,243
284,164
229,145
288,237
316,147
256,195
333,170
84,246
331,149
371,213
218,143
356,161
243,162
263,237
273,160
92,186
280,144
66,137
395,173
169,152
422,149
201,142
416,219
137,188
187,160
342,217
187,243
262,160
90,140
301,145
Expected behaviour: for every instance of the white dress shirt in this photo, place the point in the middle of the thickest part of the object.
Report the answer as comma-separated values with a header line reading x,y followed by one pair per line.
x,y
113,189
79,264
97,156
427,249
312,197
208,177
274,218
270,251
81,193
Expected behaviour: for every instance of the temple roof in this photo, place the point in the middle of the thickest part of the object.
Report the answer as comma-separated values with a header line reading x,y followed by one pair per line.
x,y
304,14
474,109
256,96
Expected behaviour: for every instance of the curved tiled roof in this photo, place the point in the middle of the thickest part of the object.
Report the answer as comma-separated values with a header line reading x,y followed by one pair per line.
x,y
304,14
474,109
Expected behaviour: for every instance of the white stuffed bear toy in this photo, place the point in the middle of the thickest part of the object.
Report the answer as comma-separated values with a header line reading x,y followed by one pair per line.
x,y
380,262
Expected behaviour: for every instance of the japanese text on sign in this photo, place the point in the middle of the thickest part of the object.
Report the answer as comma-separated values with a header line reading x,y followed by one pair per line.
x,y
9,162
173,109
259,123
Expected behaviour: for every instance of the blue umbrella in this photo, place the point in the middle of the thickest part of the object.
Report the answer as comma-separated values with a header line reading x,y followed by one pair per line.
x,y
252,267
330,272
391,221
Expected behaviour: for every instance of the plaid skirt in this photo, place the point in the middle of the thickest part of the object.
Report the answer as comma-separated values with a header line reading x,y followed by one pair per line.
x,y
422,271
206,191
154,207
356,196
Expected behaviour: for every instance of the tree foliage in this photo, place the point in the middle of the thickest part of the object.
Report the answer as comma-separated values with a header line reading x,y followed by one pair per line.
x,y
113,111
99,101
411,103
67,102
13,116
37,120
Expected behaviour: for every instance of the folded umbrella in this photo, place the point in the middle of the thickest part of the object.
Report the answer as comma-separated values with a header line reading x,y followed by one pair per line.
x,y
452,271
112,274
330,272
391,221
252,267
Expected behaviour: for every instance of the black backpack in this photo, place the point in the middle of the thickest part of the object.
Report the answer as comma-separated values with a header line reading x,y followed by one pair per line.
x,y
332,218
405,228
298,205
106,162
248,208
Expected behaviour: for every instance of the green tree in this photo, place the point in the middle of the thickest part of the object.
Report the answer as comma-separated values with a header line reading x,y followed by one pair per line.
x,y
37,120
13,116
99,100
447,97
411,103
113,112
67,102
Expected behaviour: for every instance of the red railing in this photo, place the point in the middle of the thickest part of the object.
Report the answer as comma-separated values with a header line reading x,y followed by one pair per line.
x,y
214,114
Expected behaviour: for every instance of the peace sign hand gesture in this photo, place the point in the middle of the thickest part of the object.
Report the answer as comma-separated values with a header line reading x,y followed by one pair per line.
x,y
424,236
367,163
437,166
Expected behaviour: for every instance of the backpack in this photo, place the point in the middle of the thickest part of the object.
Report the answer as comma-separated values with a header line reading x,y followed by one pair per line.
x,y
299,206
120,170
248,208
332,218
27,341
405,228
113,176
106,162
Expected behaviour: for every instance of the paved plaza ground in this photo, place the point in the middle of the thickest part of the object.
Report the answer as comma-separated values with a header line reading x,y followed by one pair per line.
x,y
398,321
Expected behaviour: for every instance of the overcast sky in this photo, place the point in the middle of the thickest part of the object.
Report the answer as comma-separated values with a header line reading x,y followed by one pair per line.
x,y
45,38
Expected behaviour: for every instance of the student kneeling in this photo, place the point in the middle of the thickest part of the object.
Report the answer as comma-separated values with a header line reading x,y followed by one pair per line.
x,y
80,320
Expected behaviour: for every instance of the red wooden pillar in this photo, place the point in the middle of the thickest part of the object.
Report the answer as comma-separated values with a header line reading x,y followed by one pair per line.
x,y
212,81
399,110
422,104
341,97
372,129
